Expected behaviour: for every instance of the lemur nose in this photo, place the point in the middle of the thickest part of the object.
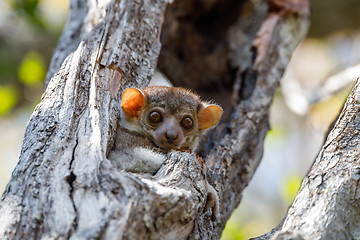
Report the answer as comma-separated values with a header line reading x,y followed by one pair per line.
x,y
171,135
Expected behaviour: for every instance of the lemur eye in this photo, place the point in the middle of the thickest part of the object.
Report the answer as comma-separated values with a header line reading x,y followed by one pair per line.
x,y
155,117
187,123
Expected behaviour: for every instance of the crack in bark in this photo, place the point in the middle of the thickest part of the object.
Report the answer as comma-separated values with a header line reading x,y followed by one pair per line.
x,y
133,47
70,179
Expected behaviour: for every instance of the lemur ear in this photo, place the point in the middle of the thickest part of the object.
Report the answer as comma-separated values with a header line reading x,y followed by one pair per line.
x,y
132,102
209,116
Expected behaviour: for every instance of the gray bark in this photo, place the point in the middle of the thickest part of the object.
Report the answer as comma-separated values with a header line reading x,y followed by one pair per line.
x,y
327,205
232,51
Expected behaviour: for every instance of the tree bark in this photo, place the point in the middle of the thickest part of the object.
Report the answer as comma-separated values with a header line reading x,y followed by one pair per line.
x,y
234,52
327,205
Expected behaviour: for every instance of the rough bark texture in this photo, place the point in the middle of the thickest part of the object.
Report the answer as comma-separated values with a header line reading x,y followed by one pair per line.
x,y
234,52
328,203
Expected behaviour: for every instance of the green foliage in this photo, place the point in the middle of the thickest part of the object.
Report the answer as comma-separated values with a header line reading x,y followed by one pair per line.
x,y
28,8
8,64
8,98
290,187
233,231
276,135
32,70
28,34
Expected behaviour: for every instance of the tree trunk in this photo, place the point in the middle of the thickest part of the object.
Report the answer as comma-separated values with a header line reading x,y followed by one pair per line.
x,y
232,51
327,205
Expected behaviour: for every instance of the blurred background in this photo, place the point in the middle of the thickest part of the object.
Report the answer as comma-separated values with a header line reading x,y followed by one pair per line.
x,y
320,75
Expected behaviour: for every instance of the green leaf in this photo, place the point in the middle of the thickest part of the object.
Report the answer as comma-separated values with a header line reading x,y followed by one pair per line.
x,y
233,231
8,99
32,70
291,187
28,6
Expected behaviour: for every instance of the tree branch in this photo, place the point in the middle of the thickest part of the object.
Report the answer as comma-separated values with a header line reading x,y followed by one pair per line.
x,y
64,186
239,63
327,205
57,189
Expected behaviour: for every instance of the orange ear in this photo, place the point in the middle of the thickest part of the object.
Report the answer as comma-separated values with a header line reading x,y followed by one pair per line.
x,y
209,116
132,102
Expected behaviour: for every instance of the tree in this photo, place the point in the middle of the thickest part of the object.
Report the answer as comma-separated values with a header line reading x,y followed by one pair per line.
x,y
327,205
231,51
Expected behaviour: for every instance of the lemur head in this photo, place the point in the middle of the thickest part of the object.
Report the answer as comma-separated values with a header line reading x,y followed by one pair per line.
x,y
172,118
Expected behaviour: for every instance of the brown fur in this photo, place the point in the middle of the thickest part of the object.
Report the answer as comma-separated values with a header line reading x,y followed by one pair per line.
x,y
136,130
141,144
